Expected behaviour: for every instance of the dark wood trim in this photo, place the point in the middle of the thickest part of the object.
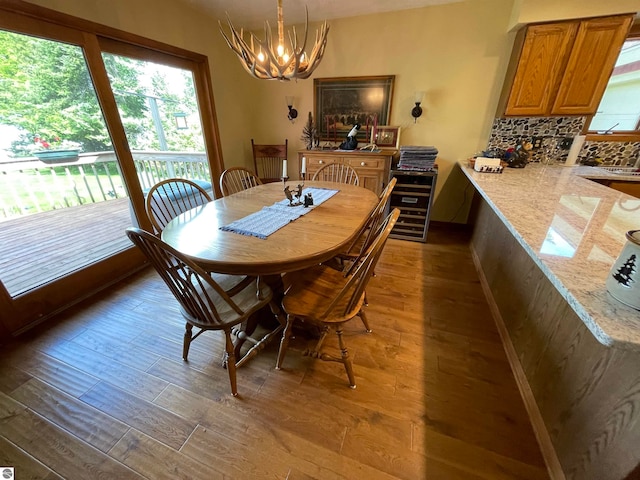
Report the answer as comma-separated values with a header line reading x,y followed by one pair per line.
x,y
9,309
614,137
116,129
51,299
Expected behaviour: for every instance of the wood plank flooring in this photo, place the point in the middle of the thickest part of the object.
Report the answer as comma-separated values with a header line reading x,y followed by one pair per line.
x,y
102,392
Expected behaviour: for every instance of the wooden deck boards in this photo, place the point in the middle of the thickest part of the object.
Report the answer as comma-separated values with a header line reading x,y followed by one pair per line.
x,y
102,391
44,246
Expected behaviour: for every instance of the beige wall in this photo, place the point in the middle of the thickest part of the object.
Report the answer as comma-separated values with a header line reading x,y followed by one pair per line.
x,y
457,53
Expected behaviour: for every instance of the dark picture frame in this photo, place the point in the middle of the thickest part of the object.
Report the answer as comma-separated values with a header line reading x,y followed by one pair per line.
x,y
340,103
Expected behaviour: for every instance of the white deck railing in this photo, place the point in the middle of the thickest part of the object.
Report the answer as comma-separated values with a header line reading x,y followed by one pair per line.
x,y
28,185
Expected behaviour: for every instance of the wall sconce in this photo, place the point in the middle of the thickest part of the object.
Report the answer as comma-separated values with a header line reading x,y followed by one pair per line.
x,y
293,113
181,120
417,110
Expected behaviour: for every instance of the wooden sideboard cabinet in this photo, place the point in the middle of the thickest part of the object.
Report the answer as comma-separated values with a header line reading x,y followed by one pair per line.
x,y
372,167
563,68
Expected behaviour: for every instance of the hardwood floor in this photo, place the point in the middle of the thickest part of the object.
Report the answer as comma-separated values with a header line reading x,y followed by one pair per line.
x,y
102,392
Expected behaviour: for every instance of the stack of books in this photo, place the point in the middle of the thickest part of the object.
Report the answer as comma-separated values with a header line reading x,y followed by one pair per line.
x,y
417,158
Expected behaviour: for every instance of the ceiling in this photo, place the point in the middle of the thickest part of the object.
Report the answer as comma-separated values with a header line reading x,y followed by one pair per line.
x,y
251,14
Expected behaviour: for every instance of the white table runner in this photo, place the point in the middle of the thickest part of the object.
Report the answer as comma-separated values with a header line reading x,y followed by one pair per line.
x,y
270,219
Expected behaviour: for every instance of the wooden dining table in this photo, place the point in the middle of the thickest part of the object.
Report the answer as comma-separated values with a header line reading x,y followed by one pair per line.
x,y
306,241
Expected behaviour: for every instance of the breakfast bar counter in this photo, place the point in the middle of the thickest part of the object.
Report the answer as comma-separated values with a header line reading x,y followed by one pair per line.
x,y
573,229
544,241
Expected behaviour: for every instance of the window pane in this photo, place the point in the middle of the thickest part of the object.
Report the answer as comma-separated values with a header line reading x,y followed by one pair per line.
x,y
162,122
619,109
63,205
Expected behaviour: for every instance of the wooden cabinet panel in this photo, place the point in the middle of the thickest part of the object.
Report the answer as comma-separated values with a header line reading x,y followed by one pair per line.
x,y
544,54
367,162
563,68
630,188
593,56
372,167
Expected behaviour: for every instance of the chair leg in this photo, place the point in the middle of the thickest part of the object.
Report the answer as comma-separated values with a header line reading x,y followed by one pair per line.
x,y
316,353
284,343
248,328
345,358
231,363
187,341
363,317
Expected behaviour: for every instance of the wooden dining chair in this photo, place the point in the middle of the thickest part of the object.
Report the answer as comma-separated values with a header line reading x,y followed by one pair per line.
x,y
330,298
205,303
366,235
236,179
169,198
337,172
267,160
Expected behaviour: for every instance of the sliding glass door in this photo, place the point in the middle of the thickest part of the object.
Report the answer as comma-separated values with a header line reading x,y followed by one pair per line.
x,y
63,204
87,124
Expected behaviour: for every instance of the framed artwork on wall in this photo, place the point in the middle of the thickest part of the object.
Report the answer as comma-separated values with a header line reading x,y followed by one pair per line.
x,y
386,136
340,103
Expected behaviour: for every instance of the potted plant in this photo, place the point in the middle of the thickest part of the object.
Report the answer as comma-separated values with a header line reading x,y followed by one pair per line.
x,y
55,151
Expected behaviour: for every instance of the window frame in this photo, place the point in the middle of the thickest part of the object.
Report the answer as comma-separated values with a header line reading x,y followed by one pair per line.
x,y
620,135
22,312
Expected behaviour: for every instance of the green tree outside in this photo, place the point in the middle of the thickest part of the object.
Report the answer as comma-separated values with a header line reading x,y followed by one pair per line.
x,y
46,91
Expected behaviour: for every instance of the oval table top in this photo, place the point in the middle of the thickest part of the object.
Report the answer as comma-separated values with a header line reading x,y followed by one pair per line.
x,y
308,240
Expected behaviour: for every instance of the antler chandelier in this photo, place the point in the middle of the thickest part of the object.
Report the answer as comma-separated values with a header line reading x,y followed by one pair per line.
x,y
266,61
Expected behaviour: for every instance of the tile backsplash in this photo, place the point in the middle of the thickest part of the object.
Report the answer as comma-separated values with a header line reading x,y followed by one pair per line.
x,y
508,132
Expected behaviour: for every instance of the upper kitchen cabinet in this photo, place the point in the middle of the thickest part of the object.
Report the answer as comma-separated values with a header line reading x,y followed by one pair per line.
x,y
563,67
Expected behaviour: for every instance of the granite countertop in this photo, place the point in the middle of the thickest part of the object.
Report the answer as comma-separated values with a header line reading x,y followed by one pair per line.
x,y
574,229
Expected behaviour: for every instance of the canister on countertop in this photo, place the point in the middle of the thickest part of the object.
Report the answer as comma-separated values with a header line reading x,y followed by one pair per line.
x,y
623,282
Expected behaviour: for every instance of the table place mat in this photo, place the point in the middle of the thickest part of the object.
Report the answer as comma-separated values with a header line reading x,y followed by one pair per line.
x,y
270,219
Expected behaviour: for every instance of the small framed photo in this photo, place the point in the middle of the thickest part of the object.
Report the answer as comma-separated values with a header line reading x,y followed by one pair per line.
x,y
386,136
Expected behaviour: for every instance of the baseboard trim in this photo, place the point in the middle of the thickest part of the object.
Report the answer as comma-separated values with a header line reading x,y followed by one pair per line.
x,y
549,455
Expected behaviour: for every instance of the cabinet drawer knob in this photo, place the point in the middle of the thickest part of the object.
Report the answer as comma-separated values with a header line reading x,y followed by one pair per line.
x,y
363,164
320,162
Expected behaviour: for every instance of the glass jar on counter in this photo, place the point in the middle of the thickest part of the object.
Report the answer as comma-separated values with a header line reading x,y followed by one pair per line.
x,y
549,150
